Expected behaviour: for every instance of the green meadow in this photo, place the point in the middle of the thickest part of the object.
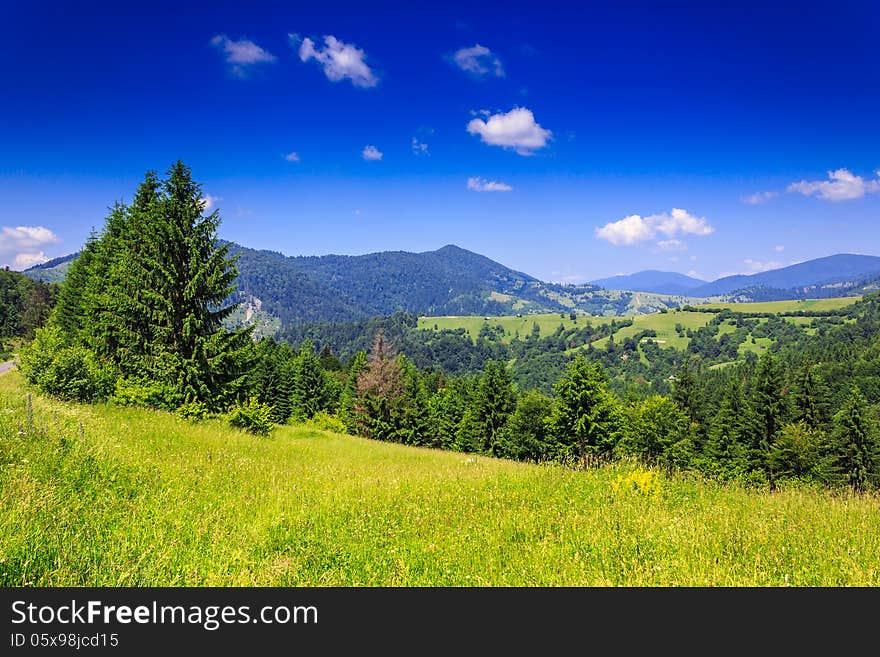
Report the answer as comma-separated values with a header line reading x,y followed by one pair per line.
x,y
104,495
663,323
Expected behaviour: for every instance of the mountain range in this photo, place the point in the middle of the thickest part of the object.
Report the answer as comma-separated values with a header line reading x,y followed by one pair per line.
x,y
277,290
821,277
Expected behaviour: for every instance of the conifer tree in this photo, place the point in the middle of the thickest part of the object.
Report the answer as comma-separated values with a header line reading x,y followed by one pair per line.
x,y
310,390
726,452
770,403
495,400
811,398
348,398
586,420
854,444
70,314
380,388
147,295
686,393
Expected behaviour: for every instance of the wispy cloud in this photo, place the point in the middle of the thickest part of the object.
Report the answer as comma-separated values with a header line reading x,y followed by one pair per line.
x,y
779,248
517,129
22,246
338,60
370,152
842,185
293,156
241,55
636,229
481,185
209,202
479,61
757,266
759,197
671,245
419,147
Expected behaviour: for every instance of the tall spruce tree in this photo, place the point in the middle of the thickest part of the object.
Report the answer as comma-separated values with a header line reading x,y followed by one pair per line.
x,y
495,400
854,445
811,398
310,390
770,403
726,452
686,392
586,419
147,295
194,277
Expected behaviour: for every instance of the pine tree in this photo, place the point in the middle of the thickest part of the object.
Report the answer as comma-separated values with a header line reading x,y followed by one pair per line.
x,y
495,400
811,398
770,403
854,445
380,389
194,277
586,420
348,398
686,392
70,314
527,428
310,390
727,449
147,295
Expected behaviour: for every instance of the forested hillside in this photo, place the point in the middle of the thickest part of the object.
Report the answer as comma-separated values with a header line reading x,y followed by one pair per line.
x,y
24,307
449,281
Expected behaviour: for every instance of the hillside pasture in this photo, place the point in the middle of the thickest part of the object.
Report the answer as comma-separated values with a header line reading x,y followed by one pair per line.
x,y
111,496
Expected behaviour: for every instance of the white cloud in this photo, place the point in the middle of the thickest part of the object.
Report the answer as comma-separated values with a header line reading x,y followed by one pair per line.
x,y
23,261
842,185
210,202
479,61
756,266
692,258
693,273
371,153
292,157
636,229
20,247
419,147
516,129
672,245
779,248
339,60
759,197
241,54
481,185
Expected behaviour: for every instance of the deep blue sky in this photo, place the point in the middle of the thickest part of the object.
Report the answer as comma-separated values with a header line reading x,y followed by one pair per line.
x,y
649,107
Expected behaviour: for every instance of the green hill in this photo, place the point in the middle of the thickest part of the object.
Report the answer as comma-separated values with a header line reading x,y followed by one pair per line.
x,y
110,496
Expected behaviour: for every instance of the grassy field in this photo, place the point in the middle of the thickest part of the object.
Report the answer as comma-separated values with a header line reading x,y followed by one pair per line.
x,y
548,323
814,305
138,497
663,323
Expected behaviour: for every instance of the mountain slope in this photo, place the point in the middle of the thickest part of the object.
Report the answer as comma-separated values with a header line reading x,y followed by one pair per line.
x,y
652,280
822,277
448,281
51,271
839,268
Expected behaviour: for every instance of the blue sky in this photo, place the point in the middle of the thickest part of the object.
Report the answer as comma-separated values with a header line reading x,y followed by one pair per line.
x,y
567,141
